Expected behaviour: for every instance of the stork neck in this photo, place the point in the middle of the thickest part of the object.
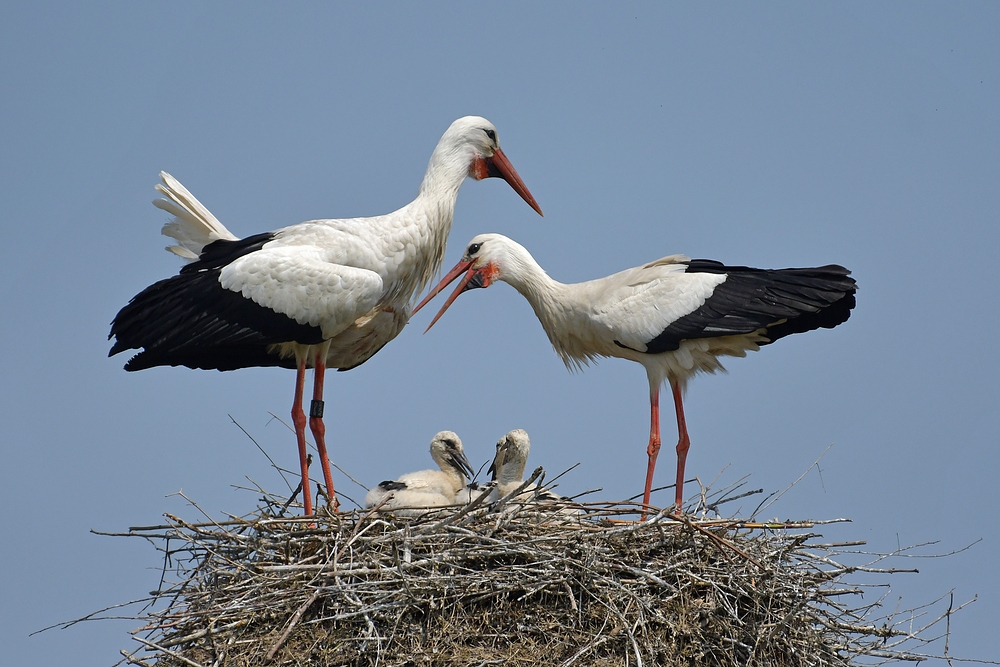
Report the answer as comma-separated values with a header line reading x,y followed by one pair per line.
x,y
454,475
511,476
435,207
427,223
529,278
446,171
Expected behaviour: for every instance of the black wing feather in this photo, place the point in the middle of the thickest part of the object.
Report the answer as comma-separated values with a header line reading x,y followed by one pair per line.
x,y
779,301
191,320
219,253
391,485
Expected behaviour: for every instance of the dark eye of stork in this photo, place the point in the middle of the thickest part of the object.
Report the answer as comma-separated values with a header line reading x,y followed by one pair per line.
x,y
492,135
474,248
451,444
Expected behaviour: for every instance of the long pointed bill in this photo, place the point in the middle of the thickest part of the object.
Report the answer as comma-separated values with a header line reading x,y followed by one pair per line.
x,y
500,460
472,279
459,269
499,166
462,464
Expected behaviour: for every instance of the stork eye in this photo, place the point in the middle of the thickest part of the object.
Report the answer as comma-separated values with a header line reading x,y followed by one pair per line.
x,y
474,248
491,134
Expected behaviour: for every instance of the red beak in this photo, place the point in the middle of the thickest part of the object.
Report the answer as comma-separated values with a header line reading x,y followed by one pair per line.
x,y
468,282
499,166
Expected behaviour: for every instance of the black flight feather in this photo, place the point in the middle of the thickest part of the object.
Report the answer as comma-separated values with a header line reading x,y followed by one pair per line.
x,y
191,320
778,301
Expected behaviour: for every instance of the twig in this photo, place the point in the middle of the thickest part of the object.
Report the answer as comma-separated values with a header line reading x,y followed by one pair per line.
x,y
132,660
485,583
291,625
815,464
172,654
262,451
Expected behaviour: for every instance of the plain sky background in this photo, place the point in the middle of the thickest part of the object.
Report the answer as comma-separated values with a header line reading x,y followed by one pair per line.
x,y
763,134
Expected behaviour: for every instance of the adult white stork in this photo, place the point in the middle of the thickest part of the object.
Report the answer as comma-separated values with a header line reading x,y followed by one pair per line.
x,y
322,293
427,488
675,316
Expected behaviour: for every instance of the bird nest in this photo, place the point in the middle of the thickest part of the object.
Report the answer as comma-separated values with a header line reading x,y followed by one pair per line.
x,y
514,583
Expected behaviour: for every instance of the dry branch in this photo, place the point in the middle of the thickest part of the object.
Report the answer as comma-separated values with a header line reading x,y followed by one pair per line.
x,y
514,583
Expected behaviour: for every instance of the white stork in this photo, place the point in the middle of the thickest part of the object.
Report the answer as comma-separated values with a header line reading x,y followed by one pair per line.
x,y
322,293
427,488
675,316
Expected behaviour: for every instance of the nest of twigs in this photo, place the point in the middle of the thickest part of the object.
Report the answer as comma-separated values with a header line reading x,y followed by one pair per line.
x,y
515,583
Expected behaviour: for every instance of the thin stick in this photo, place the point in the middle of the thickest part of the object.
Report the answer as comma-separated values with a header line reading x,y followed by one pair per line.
x,y
262,451
291,625
172,654
815,464
132,660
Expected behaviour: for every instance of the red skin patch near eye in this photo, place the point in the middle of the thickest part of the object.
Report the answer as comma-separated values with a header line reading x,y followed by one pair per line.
x,y
489,274
479,169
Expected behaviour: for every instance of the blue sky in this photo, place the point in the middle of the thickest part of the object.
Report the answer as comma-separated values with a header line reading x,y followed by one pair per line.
x,y
769,135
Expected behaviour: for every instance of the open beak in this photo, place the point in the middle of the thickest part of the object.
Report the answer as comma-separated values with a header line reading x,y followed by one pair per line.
x,y
503,450
499,166
472,279
461,463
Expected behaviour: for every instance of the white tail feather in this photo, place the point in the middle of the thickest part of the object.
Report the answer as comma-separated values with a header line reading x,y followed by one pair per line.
x,y
193,226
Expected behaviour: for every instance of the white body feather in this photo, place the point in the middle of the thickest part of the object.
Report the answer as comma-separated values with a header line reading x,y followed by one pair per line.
x,y
583,320
354,278
508,471
426,488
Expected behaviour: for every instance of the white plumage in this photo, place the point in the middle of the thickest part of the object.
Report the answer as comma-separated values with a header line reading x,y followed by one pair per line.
x,y
193,226
316,294
507,472
508,468
427,488
675,316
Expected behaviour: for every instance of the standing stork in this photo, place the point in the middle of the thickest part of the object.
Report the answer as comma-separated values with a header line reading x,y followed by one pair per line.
x,y
322,293
675,316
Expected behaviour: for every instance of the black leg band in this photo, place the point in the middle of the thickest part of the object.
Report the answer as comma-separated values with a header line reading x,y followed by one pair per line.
x,y
316,409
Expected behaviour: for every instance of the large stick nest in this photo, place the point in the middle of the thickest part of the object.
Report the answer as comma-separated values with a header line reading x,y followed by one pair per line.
x,y
509,584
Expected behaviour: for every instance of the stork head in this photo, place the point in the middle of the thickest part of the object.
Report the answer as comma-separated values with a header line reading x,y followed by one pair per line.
x,y
471,143
447,452
487,258
511,458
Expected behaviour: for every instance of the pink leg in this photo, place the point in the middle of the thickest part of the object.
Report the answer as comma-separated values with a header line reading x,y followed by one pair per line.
x,y
299,420
654,446
318,427
683,444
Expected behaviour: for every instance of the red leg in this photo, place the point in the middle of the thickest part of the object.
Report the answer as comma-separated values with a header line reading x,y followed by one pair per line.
x,y
654,445
299,420
683,444
317,425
